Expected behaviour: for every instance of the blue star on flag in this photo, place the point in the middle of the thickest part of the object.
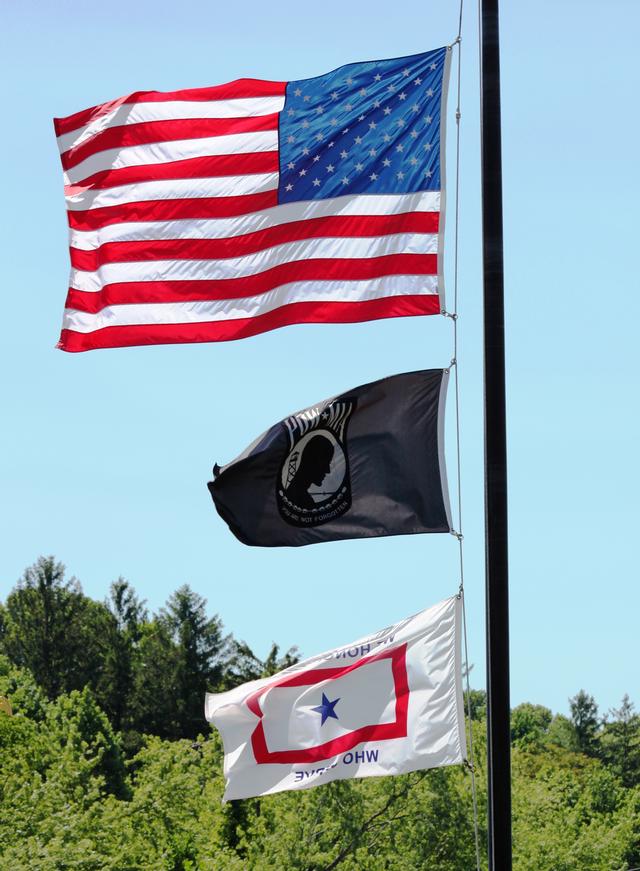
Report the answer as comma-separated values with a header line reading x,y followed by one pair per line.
x,y
327,709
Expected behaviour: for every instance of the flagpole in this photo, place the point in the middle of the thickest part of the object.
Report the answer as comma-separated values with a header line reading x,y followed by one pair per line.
x,y
497,593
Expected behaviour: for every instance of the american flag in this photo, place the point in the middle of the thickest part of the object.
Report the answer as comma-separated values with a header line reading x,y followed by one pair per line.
x,y
217,213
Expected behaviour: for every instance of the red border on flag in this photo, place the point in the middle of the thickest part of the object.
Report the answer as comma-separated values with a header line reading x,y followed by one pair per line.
x,y
377,732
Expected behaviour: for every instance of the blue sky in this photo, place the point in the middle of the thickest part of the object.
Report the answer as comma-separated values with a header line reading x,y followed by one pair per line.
x,y
105,455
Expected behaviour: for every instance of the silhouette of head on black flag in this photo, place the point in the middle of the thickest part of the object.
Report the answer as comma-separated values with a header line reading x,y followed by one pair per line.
x,y
315,465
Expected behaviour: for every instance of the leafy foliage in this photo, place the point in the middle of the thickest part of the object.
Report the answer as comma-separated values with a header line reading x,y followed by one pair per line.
x,y
116,774
530,725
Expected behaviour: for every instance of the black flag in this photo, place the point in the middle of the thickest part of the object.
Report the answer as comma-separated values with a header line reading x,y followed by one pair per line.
x,y
366,463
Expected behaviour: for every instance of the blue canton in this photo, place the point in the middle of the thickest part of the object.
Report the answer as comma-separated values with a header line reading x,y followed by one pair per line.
x,y
365,128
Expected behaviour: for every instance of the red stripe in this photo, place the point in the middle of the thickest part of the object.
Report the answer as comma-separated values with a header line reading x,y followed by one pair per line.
x,y
223,331
172,210
230,91
194,167
335,269
338,226
165,131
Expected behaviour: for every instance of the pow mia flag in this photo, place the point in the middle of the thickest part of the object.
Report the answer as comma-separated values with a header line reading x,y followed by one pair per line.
x,y
363,464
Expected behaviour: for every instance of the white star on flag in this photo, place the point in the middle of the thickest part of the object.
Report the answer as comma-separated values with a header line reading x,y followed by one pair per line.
x,y
185,206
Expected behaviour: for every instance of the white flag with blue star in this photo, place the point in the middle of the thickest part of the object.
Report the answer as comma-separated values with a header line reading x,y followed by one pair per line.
x,y
386,704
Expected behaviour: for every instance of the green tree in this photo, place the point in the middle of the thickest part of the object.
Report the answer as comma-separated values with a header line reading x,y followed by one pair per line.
x,y
124,631
561,732
153,708
620,743
530,725
201,652
53,630
18,685
243,665
476,702
584,717
78,727
67,802
3,625
570,814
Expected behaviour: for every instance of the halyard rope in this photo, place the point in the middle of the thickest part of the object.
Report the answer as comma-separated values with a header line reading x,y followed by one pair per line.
x,y
454,366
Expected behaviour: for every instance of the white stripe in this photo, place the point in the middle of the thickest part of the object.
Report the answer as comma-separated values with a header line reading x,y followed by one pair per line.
x,y
224,228
177,149
174,189
252,264
248,307
172,110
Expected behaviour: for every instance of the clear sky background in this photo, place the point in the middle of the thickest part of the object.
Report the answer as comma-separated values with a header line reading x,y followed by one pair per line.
x,y
105,455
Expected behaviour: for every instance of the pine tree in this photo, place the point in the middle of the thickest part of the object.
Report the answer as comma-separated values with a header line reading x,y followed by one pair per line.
x,y
52,629
620,743
584,717
243,664
201,649
153,707
115,687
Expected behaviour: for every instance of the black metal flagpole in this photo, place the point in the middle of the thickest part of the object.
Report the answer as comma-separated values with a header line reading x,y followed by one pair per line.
x,y
497,592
